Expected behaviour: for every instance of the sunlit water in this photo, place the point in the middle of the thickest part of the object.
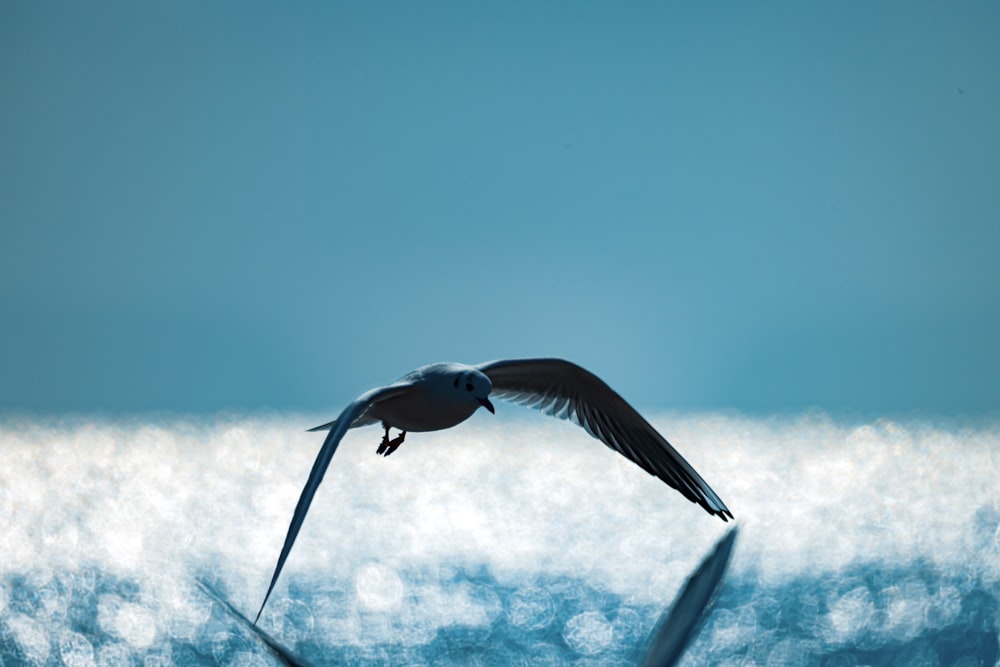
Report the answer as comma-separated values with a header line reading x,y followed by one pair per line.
x,y
496,543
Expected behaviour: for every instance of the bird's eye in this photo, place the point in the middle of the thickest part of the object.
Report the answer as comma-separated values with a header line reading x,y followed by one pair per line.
x,y
468,386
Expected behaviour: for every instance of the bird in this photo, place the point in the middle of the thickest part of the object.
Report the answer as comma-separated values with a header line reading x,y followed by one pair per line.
x,y
442,395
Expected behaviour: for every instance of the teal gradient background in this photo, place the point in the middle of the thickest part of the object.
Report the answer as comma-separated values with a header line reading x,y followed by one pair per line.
x,y
763,207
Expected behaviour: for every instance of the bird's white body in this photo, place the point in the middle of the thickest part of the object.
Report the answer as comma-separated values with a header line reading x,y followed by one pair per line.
x,y
439,396
435,398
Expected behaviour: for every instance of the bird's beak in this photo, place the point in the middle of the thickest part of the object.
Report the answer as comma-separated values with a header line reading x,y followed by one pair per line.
x,y
486,404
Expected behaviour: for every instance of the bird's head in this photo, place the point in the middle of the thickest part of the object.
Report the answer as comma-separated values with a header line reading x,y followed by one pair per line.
x,y
476,385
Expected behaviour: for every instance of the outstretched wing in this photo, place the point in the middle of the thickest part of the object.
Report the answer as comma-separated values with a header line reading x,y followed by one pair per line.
x,y
333,438
567,391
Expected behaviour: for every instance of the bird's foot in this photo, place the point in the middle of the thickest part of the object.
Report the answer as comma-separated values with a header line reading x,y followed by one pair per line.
x,y
389,446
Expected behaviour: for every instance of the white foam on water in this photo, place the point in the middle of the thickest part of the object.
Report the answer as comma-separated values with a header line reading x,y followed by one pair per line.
x,y
530,525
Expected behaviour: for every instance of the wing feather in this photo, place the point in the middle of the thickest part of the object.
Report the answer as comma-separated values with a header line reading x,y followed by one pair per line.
x,y
338,428
567,391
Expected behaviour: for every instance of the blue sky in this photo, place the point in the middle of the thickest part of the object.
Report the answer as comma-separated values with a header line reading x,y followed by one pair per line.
x,y
764,207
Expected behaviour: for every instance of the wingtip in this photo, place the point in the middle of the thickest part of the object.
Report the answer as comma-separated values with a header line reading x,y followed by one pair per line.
x,y
262,605
274,580
719,510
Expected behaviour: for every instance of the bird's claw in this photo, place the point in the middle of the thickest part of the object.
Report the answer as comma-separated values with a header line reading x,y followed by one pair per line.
x,y
389,446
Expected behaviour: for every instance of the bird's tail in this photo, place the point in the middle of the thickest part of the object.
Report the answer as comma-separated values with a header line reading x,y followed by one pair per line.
x,y
323,427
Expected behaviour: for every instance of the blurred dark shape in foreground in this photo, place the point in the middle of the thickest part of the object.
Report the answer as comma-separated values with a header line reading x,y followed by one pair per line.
x,y
282,653
674,631
680,623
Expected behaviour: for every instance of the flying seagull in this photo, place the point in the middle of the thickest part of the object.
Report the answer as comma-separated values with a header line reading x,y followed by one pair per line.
x,y
443,395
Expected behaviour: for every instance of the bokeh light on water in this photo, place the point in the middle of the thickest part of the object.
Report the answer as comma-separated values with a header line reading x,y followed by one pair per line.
x,y
496,543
